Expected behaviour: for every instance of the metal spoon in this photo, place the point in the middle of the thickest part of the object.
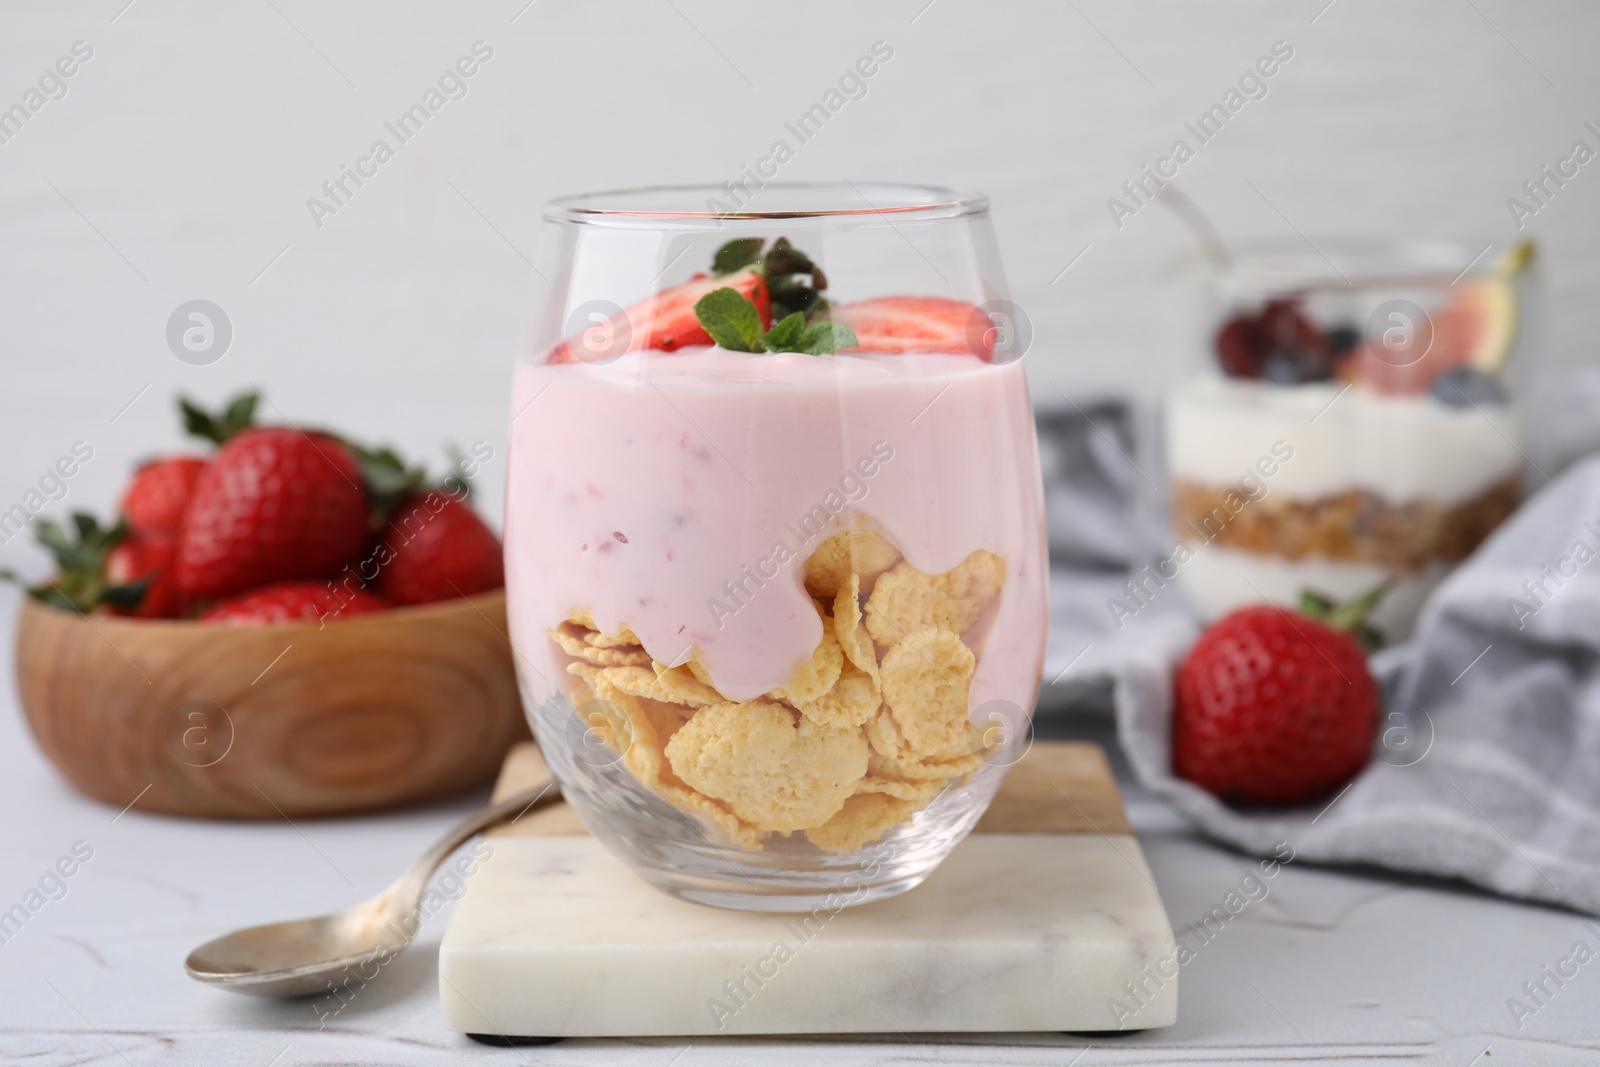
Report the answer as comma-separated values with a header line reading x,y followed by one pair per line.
x,y
291,959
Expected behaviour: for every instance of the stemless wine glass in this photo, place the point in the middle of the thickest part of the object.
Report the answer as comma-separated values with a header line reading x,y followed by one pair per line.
x,y
775,549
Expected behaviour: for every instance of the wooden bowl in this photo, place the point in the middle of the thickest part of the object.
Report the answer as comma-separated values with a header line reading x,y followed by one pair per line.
x,y
288,719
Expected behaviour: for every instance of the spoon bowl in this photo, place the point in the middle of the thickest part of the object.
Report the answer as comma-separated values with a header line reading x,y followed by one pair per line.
x,y
305,956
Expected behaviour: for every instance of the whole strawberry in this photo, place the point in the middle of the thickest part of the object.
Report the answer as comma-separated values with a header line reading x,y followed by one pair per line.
x,y
274,504
436,548
146,559
103,568
158,495
1274,707
293,602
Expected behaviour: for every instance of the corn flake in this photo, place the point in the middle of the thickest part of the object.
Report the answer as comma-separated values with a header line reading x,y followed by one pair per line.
x,y
607,721
572,640
648,726
599,639
900,605
623,638
925,682
962,593
848,630
771,773
860,552
905,770
683,686
812,679
919,791
852,701
864,819
635,681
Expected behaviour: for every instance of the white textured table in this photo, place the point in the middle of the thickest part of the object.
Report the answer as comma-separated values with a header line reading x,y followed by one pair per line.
x,y
1328,967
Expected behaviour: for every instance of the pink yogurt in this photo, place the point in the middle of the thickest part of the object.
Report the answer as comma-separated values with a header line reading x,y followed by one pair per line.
x,y
680,494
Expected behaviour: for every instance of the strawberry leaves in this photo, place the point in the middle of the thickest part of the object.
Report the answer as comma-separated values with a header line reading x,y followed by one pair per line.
x,y
80,584
1349,617
734,323
240,414
387,478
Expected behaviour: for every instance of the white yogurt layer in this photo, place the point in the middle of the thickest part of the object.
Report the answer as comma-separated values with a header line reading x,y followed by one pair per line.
x,y
1400,448
1219,579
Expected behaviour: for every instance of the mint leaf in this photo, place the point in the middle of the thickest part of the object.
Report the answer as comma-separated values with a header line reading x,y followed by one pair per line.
x,y
787,334
737,254
791,334
825,338
732,321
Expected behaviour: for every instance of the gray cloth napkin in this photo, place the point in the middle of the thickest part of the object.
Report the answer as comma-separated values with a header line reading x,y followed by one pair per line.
x,y
1487,768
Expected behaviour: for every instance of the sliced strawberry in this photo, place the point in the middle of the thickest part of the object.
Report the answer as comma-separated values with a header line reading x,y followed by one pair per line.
x,y
915,324
666,321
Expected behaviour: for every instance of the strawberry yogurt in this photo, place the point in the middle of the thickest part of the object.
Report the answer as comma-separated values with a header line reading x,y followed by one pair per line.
x,y
679,494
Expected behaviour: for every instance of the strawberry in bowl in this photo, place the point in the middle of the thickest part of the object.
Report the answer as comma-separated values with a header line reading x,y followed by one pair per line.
x,y
293,624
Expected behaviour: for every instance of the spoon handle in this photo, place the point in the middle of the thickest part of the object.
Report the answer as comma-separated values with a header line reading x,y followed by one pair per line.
x,y
512,807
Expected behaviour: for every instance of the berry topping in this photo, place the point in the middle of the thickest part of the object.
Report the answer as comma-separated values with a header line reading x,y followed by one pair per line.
x,y
1467,387
1342,340
1279,344
667,321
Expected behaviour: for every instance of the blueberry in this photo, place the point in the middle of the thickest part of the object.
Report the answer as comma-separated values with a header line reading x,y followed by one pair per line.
x,y
1466,386
1293,367
1280,369
1342,339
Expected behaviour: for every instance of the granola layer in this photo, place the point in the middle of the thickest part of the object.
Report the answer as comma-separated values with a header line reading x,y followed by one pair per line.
x,y
1356,526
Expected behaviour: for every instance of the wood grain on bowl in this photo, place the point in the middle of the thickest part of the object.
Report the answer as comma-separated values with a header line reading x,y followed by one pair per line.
x,y
287,719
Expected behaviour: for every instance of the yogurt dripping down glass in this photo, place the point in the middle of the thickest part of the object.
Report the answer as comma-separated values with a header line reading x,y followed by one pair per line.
x,y
775,548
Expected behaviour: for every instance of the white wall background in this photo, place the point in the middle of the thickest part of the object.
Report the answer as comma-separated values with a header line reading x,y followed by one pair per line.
x,y
179,163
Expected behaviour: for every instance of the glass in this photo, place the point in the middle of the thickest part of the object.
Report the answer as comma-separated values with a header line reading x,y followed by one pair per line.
x,y
778,602
1354,423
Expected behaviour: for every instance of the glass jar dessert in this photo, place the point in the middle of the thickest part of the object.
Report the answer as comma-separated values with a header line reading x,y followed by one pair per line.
x,y
1356,428
775,551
